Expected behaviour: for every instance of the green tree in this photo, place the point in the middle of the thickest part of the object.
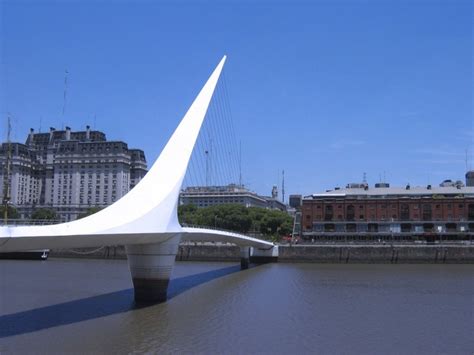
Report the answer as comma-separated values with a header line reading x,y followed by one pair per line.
x,y
272,224
12,212
89,211
275,224
43,213
187,214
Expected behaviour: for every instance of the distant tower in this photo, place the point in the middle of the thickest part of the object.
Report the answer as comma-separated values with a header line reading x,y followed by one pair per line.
x,y
240,163
283,186
274,192
207,167
64,97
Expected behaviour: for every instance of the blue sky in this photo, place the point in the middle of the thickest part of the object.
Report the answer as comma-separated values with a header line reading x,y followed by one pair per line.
x,y
326,90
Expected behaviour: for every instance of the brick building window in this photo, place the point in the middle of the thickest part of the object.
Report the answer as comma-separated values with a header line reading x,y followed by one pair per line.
x,y
328,213
350,213
427,216
470,212
404,212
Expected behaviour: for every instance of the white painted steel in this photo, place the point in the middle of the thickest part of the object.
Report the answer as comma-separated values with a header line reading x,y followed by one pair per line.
x,y
148,213
153,261
212,235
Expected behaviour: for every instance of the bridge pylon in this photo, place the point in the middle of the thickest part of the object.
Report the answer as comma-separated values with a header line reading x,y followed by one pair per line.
x,y
244,257
151,266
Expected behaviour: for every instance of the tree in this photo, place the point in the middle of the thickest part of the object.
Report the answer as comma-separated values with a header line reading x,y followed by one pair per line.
x,y
187,214
43,213
90,210
272,224
12,212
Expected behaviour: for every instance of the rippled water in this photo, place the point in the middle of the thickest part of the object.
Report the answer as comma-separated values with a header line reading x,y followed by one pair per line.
x,y
81,306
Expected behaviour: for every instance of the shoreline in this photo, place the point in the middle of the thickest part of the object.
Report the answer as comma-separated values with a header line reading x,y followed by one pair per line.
x,y
321,253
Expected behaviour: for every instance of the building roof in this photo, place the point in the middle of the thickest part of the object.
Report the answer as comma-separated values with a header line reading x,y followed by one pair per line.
x,y
381,192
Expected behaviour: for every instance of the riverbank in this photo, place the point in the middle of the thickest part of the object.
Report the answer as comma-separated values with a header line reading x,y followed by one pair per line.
x,y
335,253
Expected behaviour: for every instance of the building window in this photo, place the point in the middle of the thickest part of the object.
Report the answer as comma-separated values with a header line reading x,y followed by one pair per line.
x,y
470,212
328,213
350,213
427,212
404,212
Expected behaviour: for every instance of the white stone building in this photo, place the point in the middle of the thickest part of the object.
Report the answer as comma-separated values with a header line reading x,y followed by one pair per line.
x,y
69,172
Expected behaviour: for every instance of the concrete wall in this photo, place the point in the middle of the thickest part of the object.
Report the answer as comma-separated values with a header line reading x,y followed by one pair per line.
x,y
208,253
375,254
185,253
386,254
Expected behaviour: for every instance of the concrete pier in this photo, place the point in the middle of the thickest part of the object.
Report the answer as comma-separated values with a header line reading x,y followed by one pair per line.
x,y
378,254
244,258
151,266
264,256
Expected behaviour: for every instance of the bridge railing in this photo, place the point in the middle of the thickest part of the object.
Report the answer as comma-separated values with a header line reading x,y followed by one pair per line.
x,y
249,234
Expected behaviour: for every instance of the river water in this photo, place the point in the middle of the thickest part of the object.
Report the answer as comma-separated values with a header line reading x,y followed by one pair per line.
x,y
86,306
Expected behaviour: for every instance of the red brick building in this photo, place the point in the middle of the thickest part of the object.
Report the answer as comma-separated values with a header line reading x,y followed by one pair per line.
x,y
361,210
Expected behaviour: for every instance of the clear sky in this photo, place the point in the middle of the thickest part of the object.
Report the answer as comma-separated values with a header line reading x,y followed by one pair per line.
x,y
326,90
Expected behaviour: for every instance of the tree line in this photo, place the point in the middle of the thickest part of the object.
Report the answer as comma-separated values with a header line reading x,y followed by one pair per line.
x,y
43,213
268,224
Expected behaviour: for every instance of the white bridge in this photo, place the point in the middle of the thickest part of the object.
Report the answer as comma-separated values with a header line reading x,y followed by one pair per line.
x,y
146,219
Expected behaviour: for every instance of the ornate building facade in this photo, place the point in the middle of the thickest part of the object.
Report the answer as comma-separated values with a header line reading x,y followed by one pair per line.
x,y
69,172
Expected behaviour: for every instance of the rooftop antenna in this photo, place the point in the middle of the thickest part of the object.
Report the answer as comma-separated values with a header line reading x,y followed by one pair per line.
x,y
240,163
364,177
207,167
64,98
95,120
283,186
210,161
6,177
41,121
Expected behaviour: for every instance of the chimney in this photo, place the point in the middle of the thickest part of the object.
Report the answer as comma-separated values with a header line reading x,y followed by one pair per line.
x,y
68,133
88,133
30,136
51,132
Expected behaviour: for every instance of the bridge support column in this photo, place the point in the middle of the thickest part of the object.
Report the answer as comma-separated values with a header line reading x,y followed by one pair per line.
x,y
151,266
244,258
264,256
